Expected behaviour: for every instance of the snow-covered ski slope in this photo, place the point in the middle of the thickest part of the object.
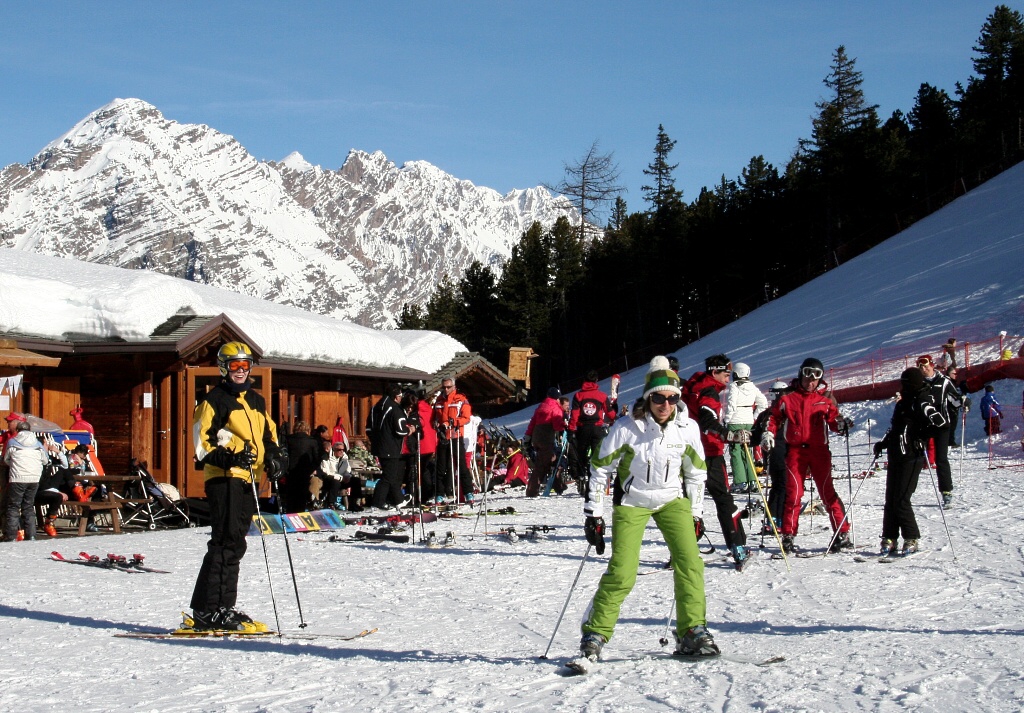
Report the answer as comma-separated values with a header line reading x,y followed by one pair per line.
x,y
461,627
962,267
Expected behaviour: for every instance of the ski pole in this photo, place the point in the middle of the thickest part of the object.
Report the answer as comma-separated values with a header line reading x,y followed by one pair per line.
x,y
567,598
767,510
963,437
849,482
846,514
668,623
942,510
288,549
263,541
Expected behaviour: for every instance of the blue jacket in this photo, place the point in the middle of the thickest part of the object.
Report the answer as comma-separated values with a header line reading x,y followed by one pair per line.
x,y
989,406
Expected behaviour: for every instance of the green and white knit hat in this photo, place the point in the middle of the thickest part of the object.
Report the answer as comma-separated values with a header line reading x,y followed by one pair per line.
x,y
660,377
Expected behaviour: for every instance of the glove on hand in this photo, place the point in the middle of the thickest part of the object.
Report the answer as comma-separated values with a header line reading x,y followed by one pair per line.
x,y
738,437
276,463
698,526
594,528
527,440
843,425
768,440
224,459
879,447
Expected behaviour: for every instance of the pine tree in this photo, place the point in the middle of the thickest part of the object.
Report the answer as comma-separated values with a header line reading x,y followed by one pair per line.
x,y
590,183
412,317
991,106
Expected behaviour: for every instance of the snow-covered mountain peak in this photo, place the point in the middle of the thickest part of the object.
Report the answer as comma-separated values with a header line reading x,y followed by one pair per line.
x,y
127,186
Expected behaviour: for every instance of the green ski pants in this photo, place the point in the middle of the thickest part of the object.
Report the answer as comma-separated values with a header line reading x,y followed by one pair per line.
x,y
742,471
628,523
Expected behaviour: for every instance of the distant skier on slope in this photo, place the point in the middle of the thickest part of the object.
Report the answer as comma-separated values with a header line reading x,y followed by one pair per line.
x,y
657,462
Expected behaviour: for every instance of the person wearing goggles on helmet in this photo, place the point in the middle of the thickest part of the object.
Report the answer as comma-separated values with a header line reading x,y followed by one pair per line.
x,y
802,417
236,441
657,463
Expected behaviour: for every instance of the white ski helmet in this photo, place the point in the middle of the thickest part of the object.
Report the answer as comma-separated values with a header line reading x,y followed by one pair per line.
x,y
778,387
741,371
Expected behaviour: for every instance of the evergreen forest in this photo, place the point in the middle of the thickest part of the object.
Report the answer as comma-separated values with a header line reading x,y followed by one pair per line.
x,y
652,280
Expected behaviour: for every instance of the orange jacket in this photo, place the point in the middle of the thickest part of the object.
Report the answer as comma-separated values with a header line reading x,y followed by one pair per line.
x,y
454,411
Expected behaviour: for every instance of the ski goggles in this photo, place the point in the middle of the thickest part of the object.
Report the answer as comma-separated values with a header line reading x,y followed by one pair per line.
x,y
924,360
812,372
720,369
239,365
659,398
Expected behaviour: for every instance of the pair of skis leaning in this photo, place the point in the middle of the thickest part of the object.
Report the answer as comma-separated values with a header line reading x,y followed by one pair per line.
x,y
133,564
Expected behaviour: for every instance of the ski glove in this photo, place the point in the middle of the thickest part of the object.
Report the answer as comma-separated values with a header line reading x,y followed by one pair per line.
x,y
768,440
224,459
698,526
879,447
594,528
843,425
738,437
276,463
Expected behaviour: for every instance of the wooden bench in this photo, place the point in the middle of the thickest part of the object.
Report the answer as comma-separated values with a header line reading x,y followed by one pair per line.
x,y
93,506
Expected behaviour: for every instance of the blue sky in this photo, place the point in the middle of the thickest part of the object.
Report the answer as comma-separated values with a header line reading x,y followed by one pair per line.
x,y
498,93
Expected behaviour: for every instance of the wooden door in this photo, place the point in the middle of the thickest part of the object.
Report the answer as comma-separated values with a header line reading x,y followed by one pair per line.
x,y
198,381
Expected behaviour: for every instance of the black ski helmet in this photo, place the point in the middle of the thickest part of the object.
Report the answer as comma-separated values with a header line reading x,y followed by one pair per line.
x,y
811,362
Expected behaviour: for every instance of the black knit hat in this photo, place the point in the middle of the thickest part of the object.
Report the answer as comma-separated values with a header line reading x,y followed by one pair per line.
x,y
912,380
717,362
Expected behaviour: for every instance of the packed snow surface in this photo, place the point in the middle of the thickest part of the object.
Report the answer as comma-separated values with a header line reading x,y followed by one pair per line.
x,y
462,628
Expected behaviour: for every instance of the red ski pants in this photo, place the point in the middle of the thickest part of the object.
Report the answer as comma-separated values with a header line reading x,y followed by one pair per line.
x,y
816,460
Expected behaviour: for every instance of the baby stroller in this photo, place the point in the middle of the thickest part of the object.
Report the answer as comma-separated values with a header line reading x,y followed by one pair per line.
x,y
148,502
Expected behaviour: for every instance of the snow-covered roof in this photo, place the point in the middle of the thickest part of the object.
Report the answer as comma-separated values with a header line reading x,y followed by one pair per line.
x,y
53,298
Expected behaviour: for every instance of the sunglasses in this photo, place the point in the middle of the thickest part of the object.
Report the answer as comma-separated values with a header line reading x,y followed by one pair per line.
x,y
239,365
812,372
659,399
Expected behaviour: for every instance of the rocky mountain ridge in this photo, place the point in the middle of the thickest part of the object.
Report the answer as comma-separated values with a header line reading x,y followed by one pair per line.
x,y
128,187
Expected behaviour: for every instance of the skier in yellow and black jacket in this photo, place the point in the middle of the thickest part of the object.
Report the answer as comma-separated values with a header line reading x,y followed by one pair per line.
x,y
236,441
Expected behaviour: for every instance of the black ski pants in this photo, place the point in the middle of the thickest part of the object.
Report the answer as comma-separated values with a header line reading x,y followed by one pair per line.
x,y
231,509
21,513
389,486
900,483
728,514
940,442
446,450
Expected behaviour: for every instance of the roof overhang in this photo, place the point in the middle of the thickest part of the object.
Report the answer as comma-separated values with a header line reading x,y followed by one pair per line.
x,y
11,355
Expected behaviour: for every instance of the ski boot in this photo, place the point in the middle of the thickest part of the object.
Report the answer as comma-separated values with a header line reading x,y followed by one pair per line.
x,y
741,555
789,546
696,642
887,548
840,542
947,500
590,652
909,547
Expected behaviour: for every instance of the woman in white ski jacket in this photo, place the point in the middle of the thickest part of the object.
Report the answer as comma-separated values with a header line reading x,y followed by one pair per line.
x,y
657,462
25,456
743,403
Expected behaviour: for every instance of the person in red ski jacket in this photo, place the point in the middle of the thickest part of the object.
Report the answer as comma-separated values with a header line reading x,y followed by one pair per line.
x,y
589,418
802,417
451,413
701,394
547,422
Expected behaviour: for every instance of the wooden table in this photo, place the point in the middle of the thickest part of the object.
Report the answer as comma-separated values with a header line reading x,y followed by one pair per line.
x,y
116,486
